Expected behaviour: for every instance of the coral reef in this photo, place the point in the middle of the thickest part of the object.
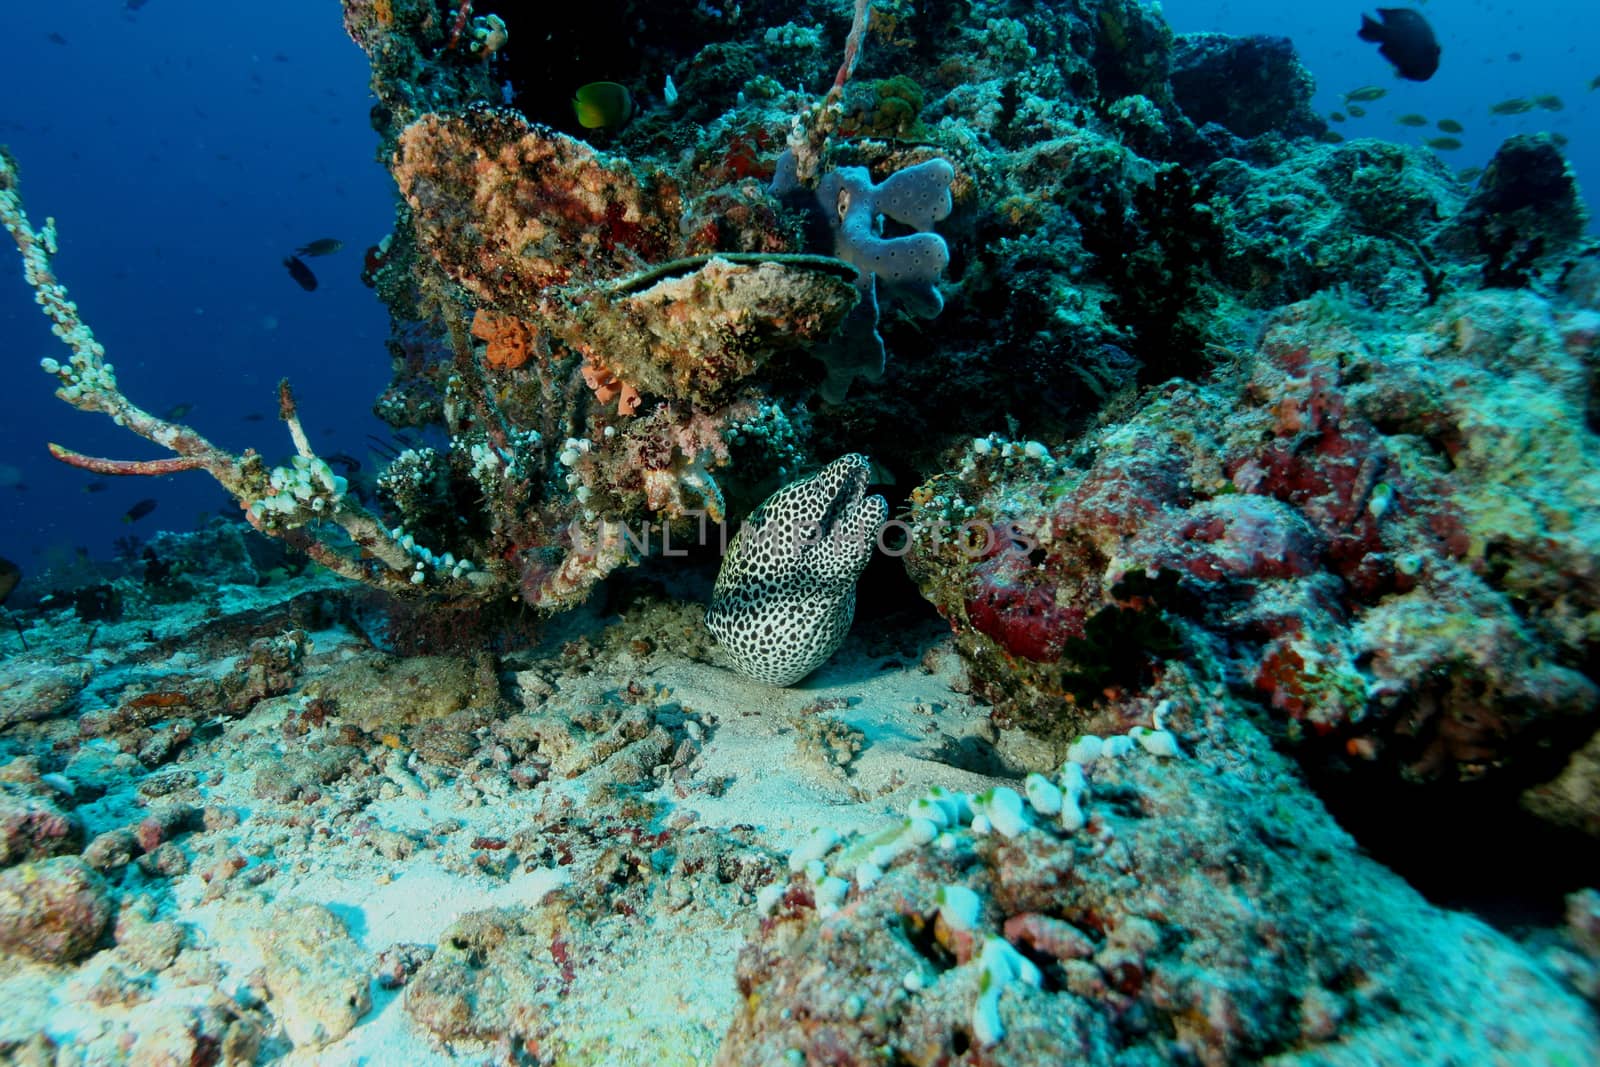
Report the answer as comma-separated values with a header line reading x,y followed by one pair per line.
x,y
1334,528
1117,208
1248,85
1245,469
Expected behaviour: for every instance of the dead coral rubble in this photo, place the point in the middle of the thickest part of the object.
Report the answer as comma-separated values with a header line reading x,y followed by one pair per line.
x,y
1200,915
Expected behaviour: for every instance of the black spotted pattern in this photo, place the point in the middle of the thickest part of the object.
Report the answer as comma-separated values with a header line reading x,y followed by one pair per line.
x,y
786,593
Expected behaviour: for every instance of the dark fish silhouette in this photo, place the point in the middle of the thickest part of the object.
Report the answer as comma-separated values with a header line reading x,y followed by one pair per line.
x,y
139,510
325,246
301,273
1405,39
10,575
1515,106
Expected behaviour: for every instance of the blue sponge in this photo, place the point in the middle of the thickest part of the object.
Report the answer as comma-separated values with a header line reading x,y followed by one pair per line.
x,y
916,197
910,264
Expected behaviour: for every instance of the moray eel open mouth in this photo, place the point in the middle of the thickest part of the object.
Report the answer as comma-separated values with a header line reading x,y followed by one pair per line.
x,y
786,594
846,498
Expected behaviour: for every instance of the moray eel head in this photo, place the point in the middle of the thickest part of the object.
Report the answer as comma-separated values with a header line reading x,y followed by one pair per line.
x,y
786,594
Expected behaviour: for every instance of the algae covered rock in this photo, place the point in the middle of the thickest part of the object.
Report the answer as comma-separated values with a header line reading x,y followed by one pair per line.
x,y
470,987
694,332
33,828
382,692
1202,909
52,910
1249,85
1403,619
40,692
509,208
318,976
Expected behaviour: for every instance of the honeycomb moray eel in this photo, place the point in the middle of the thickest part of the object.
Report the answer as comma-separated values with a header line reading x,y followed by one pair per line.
x,y
786,593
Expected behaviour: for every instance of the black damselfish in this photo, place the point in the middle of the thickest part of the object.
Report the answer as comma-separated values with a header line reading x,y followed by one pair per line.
x,y
301,273
1405,39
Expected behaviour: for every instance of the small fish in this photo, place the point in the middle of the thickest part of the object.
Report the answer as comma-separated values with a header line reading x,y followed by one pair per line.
x,y
59,782
1594,83
301,273
1468,175
602,105
99,485
255,416
1549,102
1443,144
1514,57
1412,119
325,246
1449,126
1336,116
1405,39
139,510
1515,106
56,38
344,459
178,411
1560,139
1331,137
1357,112
1366,94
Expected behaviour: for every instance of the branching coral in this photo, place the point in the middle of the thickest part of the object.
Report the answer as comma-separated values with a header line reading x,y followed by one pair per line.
x,y
288,502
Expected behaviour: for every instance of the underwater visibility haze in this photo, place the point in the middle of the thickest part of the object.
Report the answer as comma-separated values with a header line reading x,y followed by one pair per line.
x,y
932,532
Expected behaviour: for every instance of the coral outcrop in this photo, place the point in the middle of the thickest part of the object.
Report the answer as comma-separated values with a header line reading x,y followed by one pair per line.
x,y
1388,537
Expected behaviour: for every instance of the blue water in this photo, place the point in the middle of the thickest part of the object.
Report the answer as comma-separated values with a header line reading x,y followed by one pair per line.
x,y
186,148
1556,41
184,151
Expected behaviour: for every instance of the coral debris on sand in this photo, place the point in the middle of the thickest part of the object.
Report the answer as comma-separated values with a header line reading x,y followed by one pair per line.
x,y
247,832
1192,916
